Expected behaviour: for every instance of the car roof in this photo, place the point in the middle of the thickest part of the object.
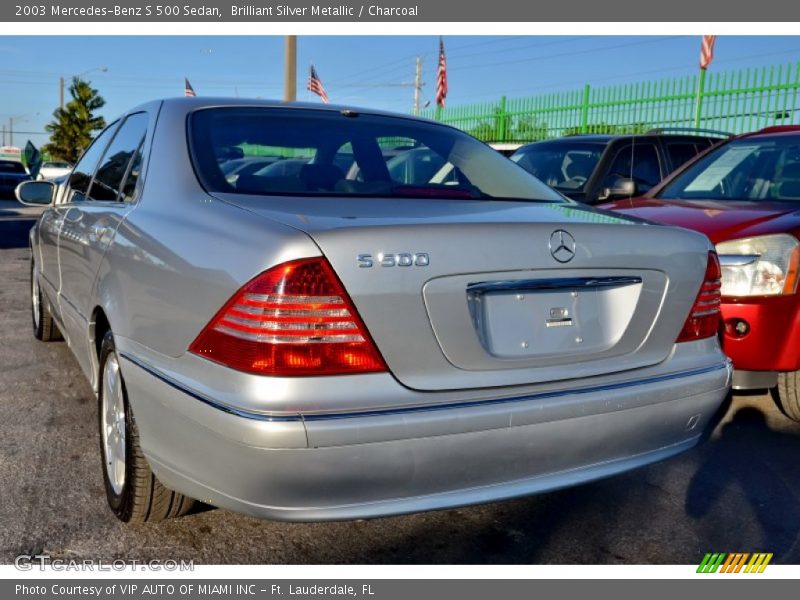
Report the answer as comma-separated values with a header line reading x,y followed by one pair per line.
x,y
583,138
605,138
189,104
774,130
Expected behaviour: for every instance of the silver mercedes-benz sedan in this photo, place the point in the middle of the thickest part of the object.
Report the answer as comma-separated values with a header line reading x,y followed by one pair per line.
x,y
360,335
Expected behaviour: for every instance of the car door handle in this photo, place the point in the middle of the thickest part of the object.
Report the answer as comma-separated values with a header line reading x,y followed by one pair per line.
x,y
96,232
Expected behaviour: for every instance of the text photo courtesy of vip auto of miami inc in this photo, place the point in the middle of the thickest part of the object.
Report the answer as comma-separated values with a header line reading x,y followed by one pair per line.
x,y
400,300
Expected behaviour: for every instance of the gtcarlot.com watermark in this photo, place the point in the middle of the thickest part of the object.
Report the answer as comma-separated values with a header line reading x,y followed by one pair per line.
x,y
29,562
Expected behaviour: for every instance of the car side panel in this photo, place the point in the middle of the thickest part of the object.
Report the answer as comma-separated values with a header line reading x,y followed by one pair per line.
x,y
163,278
181,254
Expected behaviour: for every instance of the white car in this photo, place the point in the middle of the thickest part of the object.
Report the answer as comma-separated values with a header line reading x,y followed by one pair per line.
x,y
53,169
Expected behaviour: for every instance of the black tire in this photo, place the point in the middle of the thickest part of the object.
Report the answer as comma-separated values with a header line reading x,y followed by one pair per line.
x,y
789,394
142,498
44,327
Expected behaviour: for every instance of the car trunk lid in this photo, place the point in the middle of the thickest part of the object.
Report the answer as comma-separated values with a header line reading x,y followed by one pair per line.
x,y
471,294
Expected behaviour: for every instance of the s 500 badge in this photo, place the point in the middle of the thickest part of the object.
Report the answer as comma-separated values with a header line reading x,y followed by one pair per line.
x,y
401,259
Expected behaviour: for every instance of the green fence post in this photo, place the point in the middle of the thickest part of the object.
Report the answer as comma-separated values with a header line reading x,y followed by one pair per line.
x,y
585,109
741,100
502,117
698,107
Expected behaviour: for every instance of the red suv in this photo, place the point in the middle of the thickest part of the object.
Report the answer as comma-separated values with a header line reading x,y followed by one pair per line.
x,y
744,194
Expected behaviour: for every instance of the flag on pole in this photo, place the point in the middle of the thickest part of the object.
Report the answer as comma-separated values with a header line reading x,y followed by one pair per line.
x,y
188,90
441,76
707,51
315,85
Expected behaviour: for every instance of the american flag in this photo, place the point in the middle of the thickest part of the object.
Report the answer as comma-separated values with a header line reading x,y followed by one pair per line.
x,y
315,85
188,90
707,50
441,76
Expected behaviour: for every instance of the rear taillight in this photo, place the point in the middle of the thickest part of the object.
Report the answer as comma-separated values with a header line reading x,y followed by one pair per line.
x,y
704,318
295,319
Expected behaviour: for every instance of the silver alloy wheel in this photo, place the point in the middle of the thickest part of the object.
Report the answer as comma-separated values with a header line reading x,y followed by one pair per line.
x,y
35,300
113,406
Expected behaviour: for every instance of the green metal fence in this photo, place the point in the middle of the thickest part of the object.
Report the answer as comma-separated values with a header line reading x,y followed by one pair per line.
x,y
734,101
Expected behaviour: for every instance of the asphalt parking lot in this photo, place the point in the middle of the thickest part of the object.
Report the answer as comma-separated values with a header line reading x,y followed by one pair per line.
x,y
738,492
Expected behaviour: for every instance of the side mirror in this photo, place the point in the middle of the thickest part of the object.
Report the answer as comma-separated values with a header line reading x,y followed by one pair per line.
x,y
35,193
622,188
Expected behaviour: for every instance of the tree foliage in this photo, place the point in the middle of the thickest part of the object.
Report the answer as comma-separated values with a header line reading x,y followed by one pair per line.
x,y
529,129
72,127
609,129
517,129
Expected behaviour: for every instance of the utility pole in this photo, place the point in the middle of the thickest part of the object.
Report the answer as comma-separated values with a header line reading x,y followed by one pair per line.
x,y
417,85
290,68
4,135
10,131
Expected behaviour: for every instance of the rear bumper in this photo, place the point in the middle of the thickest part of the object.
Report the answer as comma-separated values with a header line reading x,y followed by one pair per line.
x,y
754,380
325,467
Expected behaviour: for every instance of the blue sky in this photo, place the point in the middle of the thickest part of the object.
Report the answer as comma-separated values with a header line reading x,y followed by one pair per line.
x,y
363,71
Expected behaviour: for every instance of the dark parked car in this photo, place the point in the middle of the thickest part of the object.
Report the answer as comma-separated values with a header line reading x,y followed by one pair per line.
x,y
12,173
598,168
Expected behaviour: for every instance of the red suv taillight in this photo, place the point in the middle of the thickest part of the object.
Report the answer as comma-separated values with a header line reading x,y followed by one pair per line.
x,y
704,318
295,319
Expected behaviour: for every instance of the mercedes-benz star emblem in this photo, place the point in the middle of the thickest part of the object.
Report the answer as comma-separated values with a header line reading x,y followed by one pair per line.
x,y
562,245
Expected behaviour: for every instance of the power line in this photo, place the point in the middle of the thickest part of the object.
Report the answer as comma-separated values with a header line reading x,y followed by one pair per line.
x,y
424,54
40,75
453,53
573,53
636,74
457,66
157,86
559,42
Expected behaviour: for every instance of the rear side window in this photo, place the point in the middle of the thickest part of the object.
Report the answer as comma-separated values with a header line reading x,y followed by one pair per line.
x,y
81,175
681,152
129,187
638,162
328,153
114,166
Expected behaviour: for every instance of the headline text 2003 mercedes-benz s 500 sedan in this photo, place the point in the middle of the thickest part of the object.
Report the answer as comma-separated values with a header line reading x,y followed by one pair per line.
x,y
382,316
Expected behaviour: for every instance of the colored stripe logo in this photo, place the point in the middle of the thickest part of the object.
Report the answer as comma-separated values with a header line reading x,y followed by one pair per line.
x,y
737,562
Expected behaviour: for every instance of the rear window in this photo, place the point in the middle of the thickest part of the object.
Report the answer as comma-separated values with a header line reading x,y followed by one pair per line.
x,y
10,166
312,152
